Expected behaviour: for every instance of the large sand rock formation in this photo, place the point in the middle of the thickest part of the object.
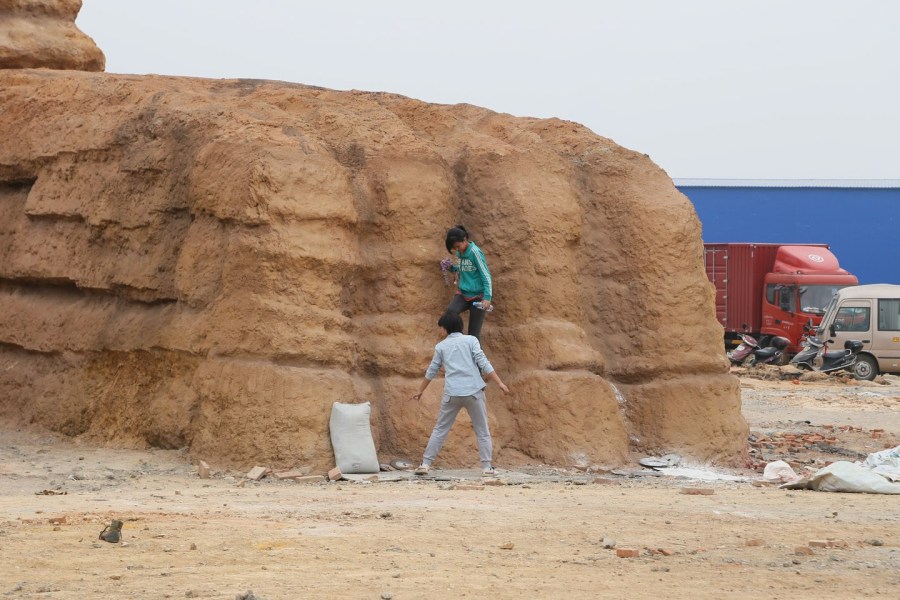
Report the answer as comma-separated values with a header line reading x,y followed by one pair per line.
x,y
212,264
42,33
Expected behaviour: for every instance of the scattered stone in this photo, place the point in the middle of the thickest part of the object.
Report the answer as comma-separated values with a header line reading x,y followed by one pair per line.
x,y
666,552
112,533
608,543
755,542
803,551
310,479
57,520
401,465
493,482
698,491
462,486
292,474
874,542
335,474
257,473
248,595
203,469
386,596
762,483
507,546
605,481
386,514
627,553
386,467
817,543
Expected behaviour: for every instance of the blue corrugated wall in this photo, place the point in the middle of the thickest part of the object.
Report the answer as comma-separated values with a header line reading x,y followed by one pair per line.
x,y
862,225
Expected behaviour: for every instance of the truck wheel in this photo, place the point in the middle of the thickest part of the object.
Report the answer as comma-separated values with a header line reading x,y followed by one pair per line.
x,y
865,368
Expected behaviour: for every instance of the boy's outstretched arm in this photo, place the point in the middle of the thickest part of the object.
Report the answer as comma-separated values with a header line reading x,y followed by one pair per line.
x,y
496,379
422,387
436,362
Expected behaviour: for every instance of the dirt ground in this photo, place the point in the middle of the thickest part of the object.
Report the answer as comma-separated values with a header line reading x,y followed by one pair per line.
x,y
539,533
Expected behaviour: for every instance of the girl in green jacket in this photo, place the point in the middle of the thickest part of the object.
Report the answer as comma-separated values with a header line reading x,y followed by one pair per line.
x,y
475,286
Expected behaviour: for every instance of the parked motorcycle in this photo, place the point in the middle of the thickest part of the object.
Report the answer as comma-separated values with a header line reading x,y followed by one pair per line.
x,y
773,354
743,353
815,356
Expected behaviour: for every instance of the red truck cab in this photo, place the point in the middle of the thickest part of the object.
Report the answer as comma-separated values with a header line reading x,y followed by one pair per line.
x,y
773,289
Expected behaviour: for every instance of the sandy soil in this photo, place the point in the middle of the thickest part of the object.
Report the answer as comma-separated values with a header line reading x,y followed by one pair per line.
x,y
539,535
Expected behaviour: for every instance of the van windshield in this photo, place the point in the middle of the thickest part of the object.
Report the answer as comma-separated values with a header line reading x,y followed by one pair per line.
x,y
814,298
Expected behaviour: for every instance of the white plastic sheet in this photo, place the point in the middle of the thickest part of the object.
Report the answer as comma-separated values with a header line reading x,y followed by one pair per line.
x,y
843,476
885,463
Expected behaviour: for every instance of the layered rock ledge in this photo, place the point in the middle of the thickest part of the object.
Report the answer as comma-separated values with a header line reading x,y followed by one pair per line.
x,y
211,264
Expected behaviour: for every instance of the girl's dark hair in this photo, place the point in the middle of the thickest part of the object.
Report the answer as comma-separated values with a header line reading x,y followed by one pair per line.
x,y
451,322
455,234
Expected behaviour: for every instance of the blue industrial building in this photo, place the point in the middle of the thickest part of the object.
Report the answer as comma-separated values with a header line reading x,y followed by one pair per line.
x,y
859,219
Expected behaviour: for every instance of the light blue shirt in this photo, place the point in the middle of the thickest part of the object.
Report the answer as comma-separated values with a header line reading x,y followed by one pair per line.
x,y
463,361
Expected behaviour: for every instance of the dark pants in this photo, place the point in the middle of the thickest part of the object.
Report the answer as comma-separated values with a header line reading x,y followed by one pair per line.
x,y
476,316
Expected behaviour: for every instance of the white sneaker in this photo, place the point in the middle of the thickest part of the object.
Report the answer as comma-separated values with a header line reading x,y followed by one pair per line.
x,y
421,470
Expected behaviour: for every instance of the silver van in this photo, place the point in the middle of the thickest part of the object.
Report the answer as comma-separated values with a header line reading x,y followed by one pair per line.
x,y
870,314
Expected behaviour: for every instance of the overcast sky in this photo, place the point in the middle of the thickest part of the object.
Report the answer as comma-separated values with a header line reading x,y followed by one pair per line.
x,y
759,89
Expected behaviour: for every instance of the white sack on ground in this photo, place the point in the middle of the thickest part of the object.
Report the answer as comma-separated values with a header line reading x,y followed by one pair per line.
x,y
843,476
780,471
351,438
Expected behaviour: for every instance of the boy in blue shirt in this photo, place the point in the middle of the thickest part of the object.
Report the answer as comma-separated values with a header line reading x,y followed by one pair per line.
x,y
464,363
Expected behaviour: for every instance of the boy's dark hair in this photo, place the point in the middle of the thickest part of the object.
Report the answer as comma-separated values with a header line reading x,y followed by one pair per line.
x,y
451,322
455,234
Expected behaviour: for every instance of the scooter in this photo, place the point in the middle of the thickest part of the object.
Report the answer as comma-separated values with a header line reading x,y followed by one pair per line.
x,y
773,354
743,352
815,356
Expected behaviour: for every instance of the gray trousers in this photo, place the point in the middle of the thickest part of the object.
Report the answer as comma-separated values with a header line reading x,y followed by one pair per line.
x,y
450,407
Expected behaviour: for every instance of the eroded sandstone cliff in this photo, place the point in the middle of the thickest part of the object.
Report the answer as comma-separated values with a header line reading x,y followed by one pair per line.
x,y
212,264
42,33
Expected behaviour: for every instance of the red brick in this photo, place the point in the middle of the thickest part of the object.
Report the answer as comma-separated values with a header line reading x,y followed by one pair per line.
x,y
627,553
